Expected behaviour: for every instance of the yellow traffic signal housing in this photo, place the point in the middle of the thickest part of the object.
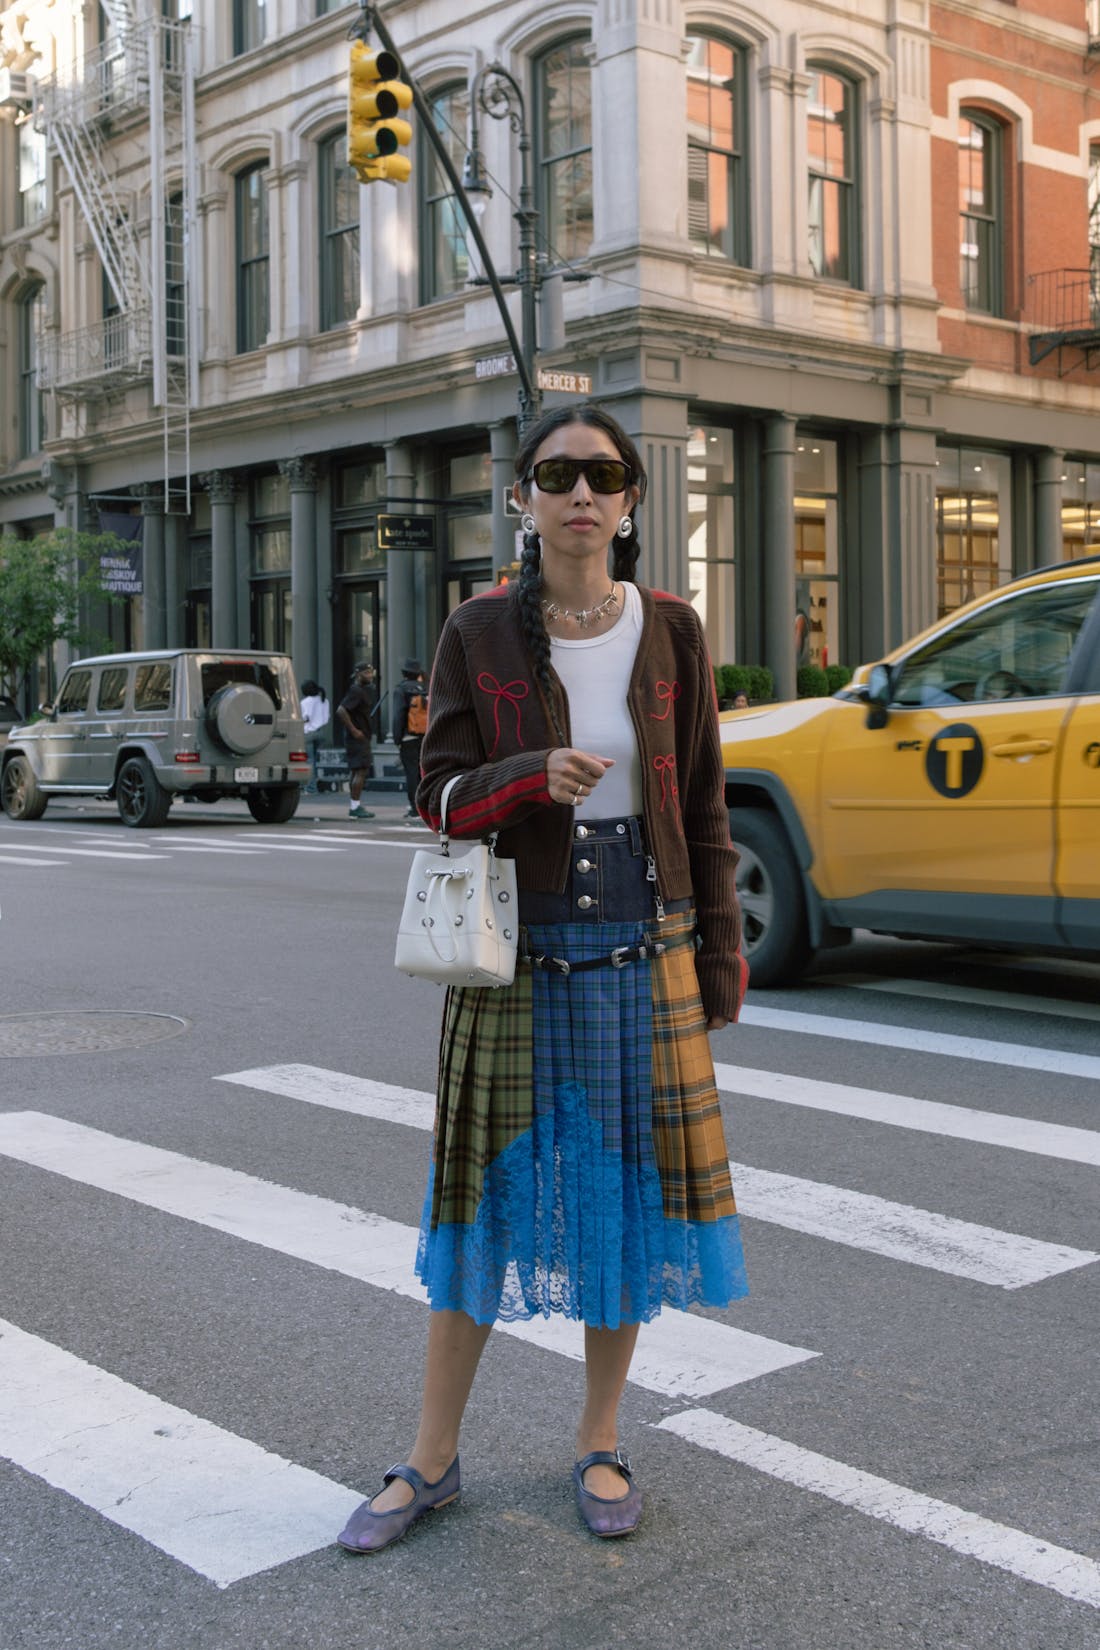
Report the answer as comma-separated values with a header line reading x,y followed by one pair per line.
x,y
376,132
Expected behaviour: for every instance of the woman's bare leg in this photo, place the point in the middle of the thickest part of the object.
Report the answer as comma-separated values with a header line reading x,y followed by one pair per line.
x,y
455,1345
607,1355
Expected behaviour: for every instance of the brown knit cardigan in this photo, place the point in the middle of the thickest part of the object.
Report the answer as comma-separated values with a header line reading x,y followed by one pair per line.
x,y
488,720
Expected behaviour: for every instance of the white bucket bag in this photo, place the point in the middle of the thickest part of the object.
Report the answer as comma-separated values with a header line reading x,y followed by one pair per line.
x,y
460,922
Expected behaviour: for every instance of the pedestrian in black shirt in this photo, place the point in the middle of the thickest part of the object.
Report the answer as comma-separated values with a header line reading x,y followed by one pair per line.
x,y
410,721
355,711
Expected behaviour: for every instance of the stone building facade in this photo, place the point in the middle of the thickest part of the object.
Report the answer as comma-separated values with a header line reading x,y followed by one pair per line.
x,y
807,237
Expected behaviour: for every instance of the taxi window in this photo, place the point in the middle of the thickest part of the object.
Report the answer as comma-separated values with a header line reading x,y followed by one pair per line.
x,y
112,689
153,686
1016,649
74,692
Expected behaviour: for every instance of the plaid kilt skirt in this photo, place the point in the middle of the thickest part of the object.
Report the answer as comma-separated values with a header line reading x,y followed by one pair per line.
x,y
578,1161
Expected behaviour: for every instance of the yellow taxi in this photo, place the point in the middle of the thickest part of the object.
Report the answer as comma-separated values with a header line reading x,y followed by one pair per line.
x,y
951,792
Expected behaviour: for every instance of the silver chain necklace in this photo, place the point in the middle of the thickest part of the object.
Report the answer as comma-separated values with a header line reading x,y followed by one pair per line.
x,y
583,615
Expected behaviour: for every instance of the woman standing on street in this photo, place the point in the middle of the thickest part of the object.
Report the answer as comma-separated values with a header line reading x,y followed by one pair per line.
x,y
579,1164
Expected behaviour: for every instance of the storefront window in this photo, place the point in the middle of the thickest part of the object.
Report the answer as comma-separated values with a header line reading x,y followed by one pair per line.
x,y
362,484
973,524
269,544
711,568
358,552
1080,509
817,552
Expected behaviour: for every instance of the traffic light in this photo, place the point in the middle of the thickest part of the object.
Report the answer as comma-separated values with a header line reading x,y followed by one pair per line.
x,y
376,133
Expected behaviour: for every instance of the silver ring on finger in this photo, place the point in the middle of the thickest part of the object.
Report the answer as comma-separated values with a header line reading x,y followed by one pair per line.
x,y
580,793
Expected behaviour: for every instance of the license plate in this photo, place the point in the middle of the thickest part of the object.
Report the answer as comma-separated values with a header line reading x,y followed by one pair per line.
x,y
246,776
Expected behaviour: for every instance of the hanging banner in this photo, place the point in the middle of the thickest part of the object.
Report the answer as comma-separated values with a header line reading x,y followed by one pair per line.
x,y
122,570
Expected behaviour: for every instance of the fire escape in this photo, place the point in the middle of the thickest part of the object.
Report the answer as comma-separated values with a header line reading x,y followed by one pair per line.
x,y
141,76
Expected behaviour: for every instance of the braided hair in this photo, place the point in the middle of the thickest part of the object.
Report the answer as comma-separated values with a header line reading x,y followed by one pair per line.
x,y
625,552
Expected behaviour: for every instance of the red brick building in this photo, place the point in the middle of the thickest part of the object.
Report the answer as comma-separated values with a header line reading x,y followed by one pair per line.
x,y
1015,170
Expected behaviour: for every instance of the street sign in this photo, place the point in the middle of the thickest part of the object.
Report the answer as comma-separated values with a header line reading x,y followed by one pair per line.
x,y
406,532
573,383
495,366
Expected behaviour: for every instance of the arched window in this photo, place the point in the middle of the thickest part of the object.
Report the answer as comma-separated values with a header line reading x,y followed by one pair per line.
x,y
834,177
718,207
253,259
444,261
32,421
981,213
563,84
32,175
339,229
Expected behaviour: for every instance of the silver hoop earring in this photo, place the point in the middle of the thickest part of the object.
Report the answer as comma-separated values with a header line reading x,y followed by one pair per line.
x,y
625,527
527,522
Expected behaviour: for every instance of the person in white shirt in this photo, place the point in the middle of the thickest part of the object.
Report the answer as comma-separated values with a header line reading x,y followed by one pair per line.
x,y
316,714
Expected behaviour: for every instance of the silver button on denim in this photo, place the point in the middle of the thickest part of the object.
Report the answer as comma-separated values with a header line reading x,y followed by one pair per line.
x,y
585,865
586,902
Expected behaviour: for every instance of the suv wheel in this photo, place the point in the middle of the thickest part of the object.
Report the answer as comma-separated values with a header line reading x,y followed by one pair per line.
x,y
142,799
273,804
773,908
19,793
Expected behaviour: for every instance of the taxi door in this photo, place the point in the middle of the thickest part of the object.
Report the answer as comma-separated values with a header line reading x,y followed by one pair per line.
x,y
1077,867
951,805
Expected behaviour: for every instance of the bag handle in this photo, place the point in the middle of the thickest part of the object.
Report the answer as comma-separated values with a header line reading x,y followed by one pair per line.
x,y
444,795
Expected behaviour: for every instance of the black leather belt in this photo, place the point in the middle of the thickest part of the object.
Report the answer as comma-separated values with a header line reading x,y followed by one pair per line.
x,y
619,958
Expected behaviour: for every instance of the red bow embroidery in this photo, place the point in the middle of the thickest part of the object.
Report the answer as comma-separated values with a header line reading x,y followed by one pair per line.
x,y
669,692
513,692
666,767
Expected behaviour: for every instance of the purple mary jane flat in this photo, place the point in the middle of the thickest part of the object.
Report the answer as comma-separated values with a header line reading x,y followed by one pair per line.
x,y
368,1532
608,1517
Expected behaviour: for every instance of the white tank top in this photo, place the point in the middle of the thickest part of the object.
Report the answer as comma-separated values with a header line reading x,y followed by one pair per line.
x,y
596,672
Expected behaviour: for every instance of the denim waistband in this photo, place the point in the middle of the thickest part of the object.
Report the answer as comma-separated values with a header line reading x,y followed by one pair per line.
x,y
612,878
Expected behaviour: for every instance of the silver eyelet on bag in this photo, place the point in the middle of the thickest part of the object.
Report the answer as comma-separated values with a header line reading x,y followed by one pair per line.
x,y
507,933
458,922
503,896
422,896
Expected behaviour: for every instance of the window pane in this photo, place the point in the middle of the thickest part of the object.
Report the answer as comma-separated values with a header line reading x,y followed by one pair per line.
x,y
175,315
567,99
446,261
569,183
248,25
829,129
252,260
565,143
340,198
979,227
32,174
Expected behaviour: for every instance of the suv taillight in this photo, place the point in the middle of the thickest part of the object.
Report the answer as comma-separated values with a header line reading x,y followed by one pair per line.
x,y
187,756
299,756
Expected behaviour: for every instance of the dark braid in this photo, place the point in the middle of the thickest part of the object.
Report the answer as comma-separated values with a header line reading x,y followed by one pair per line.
x,y
532,623
625,553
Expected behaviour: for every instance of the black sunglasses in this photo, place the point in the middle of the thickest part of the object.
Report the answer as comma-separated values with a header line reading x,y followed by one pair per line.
x,y
559,475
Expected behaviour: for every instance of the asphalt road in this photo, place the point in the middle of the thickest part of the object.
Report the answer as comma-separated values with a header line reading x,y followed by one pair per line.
x,y
210,1341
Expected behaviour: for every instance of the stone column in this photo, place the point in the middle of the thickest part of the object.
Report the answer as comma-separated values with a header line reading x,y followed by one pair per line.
x,y
302,476
778,553
1049,469
63,485
222,487
502,446
153,563
175,550
399,634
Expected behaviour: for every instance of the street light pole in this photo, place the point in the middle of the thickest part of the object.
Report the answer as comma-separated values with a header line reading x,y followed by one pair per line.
x,y
497,93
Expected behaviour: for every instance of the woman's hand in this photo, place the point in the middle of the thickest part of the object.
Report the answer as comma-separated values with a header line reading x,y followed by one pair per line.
x,y
571,775
717,1022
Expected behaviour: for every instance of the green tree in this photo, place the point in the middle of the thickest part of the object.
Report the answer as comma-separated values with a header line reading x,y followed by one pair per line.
x,y
47,586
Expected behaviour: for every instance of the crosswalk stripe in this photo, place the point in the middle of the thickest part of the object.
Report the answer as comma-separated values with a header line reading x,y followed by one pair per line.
x,y
679,1354
902,1111
16,859
92,853
1062,1008
1072,1575
856,1219
1022,1056
213,1501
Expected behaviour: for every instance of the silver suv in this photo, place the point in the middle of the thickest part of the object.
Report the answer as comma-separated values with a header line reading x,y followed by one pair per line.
x,y
144,728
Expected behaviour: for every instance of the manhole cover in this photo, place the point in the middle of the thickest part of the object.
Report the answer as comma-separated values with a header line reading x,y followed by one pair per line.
x,y
83,1033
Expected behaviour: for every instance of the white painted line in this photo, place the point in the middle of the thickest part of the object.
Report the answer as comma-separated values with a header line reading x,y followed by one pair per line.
x,y
203,848
211,1500
680,1356
1061,1008
1020,1055
1060,1570
340,1091
860,1221
11,859
919,1236
93,853
902,1111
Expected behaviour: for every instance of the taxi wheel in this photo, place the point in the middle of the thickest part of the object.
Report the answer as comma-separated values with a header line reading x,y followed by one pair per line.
x,y
773,908
19,793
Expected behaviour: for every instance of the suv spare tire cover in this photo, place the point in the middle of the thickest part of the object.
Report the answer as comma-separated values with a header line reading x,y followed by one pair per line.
x,y
243,717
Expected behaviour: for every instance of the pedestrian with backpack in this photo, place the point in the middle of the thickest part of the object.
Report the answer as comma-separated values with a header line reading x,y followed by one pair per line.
x,y
410,723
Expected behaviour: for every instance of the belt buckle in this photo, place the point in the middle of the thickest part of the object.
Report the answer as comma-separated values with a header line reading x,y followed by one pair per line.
x,y
619,958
